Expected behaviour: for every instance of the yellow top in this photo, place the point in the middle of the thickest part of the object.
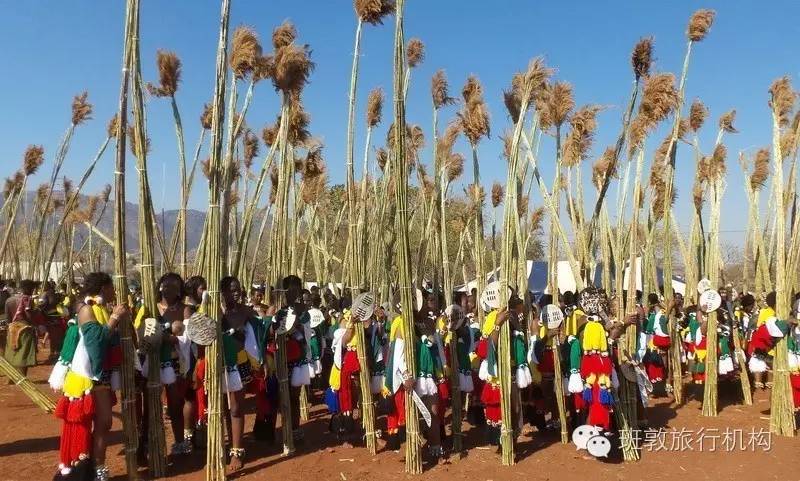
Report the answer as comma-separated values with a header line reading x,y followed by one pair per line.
x,y
488,323
572,322
764,315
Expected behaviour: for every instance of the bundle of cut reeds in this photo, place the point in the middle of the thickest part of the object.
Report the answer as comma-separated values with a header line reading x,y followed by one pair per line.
x,y
129,411
139,146
213,267
30,390
782,420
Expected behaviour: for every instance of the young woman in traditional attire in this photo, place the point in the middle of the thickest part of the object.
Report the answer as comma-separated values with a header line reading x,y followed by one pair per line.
x,y
87,374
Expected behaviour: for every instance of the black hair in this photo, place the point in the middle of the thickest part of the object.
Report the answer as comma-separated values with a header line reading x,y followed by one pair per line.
x,y
27,286
568,297
304,292
652,298
168,277
771,299
748,300
94,283
292,280
514,302
226,282
191,286
316,300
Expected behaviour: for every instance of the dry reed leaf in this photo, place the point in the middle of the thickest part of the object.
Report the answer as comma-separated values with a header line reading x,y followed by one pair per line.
x,y
726,122
439,90
33,159
415,52
133,142
374,107
81,109
700,24
373,11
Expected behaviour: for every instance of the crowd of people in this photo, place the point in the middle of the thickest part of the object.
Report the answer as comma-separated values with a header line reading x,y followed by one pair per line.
x,y
80,327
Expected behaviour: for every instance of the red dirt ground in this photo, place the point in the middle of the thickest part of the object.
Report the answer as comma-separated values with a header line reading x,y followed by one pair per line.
x,y
29,445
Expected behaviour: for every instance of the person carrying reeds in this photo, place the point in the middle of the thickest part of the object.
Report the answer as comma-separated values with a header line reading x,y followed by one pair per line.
x,y
195,412
243,338
174,356
22,337
762,343
541,351
87,373
658,342
488,351
344,377
298,357
592,374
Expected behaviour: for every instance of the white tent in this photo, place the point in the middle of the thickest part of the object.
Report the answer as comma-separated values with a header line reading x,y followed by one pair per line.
x,y
538,273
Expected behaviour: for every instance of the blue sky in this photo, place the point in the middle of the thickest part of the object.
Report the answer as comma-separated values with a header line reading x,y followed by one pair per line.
x,y
53,50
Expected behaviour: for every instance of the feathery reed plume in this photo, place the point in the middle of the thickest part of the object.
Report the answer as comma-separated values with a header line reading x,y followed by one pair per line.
x,y
522,205
787,143
726,122
697,115
245,51
8,187
659,99
507,138
476,194
758,178
415,52
605,166
264,68
297,131
283,35
113,127
554,104
536,77
250,150
270,133
699,24
81,109
293,65
642,57
373,11
716,165
583,124
381,157
374,107
207,116
537,219
782,98
33,159
498,192
273,178
697,195
205,166
454,166
439,90
474,115
41,192
312,189
67,187
448,138
314,165
132,142
106,193
169,74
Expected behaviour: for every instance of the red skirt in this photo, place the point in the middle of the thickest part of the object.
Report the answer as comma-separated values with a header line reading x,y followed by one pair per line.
x,y
546,364
661,342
